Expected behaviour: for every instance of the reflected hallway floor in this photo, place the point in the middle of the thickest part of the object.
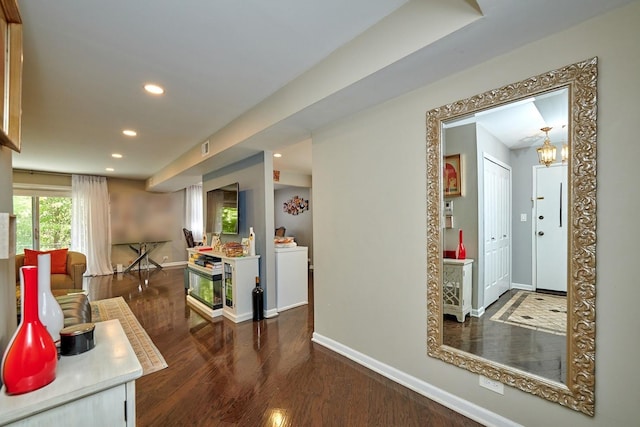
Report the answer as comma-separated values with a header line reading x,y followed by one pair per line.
x,y
533,351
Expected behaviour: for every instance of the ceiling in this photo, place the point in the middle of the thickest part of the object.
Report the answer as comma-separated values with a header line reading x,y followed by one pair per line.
x,y
247,76
519,124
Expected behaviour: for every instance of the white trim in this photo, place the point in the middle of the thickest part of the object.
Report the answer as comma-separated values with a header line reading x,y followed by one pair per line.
x,y
477,313
203,308
464,407
288,307
271,313
172,264
237,318
522,286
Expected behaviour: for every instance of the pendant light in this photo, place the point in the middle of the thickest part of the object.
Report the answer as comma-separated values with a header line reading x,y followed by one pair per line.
x,y
565,152
547,152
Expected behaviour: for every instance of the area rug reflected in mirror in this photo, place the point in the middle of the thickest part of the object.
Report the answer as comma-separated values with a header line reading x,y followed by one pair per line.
x,y
534,310
116,308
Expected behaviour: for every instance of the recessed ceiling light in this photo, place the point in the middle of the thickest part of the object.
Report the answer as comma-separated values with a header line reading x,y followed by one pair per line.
x,y
116,155
277,155
130,132
109,169
154,89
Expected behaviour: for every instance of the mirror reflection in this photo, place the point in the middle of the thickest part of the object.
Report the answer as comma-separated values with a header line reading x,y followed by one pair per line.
x,y
511,233
511,218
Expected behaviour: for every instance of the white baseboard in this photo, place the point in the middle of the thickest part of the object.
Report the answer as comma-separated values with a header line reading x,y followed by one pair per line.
x,y
271,313
479,312
464,407
288,307
522,286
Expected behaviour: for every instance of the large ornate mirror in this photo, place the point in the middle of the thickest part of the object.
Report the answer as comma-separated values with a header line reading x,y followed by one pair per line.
x,y
515,169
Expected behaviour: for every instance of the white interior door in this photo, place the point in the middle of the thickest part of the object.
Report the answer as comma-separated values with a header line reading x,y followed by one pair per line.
x,y
497,230
551,228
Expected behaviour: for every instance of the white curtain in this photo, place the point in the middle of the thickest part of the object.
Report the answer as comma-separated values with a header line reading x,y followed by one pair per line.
x,y
193,211
90,223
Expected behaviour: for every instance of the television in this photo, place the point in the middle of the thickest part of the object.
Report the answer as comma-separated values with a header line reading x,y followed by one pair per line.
x,y
222,209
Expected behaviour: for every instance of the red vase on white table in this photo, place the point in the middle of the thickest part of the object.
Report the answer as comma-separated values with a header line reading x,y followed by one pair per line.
x,y
461,252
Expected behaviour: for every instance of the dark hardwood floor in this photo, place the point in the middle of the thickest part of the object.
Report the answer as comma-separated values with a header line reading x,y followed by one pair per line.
x,y
265,373
533,351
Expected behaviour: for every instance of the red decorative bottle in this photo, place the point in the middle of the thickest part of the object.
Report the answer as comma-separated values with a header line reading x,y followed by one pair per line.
x,y
461,252
30,360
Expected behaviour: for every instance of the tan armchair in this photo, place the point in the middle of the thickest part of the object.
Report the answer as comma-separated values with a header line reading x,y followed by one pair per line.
x,y
76,266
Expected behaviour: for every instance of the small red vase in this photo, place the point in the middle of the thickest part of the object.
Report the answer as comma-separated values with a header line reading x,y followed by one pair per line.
x,y
461,252
30,360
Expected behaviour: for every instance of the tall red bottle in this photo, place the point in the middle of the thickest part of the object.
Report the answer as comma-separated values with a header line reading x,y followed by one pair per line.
x,y
30,360
461,252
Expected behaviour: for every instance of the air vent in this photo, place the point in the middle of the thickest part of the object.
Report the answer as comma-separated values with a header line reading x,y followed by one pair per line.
x,y
204,148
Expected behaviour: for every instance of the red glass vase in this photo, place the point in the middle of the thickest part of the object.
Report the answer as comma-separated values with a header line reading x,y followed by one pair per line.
x,y
461,252
30,360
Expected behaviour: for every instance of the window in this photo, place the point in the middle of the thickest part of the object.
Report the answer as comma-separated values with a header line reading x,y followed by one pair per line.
x,y
43,219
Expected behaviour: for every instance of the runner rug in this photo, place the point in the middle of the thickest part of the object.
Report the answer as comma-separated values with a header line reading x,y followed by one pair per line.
x,y
543,312
116,308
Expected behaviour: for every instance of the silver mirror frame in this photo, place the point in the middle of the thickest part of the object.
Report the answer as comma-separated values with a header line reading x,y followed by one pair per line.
x,y
579,391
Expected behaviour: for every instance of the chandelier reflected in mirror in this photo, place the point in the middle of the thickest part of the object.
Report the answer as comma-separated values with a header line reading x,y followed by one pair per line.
x,y
547,152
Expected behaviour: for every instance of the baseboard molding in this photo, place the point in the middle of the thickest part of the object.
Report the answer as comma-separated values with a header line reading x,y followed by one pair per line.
x,y
522,286
271,313
288,307
464,407
479,312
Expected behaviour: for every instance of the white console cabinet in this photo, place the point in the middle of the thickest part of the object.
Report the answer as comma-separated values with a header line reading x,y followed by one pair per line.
x,y
238,280
95,388
456,287
292,279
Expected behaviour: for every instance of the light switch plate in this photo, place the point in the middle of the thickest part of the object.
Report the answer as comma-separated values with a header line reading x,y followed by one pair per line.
x,y
523,217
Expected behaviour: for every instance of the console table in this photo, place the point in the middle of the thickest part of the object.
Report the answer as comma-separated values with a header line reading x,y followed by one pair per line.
x,y
93,388
143,249
456,287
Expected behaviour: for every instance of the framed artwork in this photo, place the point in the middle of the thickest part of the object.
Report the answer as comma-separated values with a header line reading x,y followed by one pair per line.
x,y
452,176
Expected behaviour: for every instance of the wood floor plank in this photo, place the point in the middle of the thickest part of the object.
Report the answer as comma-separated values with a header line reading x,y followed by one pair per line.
x,y
265,373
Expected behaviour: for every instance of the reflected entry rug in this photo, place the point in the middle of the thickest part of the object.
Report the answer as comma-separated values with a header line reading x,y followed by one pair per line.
x,y
542,312
116,308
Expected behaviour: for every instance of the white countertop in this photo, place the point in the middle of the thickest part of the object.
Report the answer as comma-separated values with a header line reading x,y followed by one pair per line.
x,y
293,249
454,261
111,362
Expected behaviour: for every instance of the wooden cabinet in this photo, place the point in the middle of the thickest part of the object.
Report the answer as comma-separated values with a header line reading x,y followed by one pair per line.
x,y
238,280
93,388
456,287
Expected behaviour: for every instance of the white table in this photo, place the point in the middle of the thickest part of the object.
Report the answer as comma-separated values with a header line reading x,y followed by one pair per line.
x,y
457,283
95,388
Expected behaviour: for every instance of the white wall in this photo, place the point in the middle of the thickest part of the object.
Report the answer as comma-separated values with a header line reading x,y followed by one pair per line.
x,y
369,224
